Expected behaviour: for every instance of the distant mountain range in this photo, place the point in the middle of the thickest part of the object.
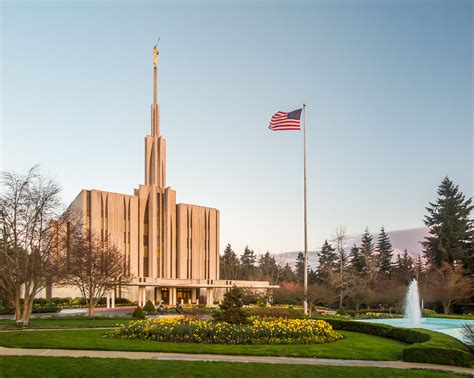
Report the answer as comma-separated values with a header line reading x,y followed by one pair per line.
x,y
401,239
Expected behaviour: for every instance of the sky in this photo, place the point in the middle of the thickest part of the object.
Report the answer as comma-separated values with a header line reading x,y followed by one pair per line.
x,y
388,87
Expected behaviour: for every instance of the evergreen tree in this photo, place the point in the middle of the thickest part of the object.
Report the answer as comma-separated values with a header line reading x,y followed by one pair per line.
x,y
385,252
356,259
327,261
286,274
229,264
300,267
367,251
419,267
405,262
231,309
451,229
268,267
247,264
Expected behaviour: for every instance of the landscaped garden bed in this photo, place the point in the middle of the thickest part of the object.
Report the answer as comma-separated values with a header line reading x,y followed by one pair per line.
x,y
256,331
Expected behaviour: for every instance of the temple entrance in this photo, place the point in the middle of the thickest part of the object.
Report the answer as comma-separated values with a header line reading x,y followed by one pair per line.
x,y
184,294
165,294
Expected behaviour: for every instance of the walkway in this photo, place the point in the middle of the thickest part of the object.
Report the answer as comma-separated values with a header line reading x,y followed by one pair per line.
x,y
227,358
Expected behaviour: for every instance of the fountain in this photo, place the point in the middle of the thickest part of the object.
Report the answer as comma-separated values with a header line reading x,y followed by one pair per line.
x,y
412,305
412,317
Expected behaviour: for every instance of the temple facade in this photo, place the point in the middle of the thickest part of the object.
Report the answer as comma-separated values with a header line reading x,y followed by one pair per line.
x,y
171,250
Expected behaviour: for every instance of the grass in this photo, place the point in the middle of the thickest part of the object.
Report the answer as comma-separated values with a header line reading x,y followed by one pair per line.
x,y
96,367
353,346
69,322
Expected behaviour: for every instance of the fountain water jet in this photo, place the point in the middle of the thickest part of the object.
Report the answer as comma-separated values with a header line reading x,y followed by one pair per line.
x,y
412,305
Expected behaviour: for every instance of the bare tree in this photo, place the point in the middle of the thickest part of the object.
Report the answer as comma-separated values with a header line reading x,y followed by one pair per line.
x,y
95,267
448,285
340,239
31,237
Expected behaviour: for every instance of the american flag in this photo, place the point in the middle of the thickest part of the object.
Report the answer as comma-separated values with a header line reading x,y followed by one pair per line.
x,y
286,121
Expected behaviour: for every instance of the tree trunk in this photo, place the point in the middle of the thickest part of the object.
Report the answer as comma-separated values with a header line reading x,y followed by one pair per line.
x,y
446,306
91,308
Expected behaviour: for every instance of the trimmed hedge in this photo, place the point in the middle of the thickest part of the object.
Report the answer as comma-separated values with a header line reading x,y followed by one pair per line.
x,y
426,346
276,312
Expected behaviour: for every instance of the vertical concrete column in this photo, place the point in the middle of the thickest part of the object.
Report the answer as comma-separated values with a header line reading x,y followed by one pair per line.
x,y
193,295
144,296
158,295
113,299
209,296
107,300
172,296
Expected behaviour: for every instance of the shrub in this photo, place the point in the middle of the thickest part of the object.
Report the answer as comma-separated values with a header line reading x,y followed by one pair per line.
x,y
48,308
123,301
79,301
428,346
436,355
257,331
40,301
138,313
426,312
276,312
231,309
405,335
149,308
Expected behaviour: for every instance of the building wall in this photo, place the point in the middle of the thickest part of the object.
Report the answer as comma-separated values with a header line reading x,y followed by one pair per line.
x,y
158,238
198,242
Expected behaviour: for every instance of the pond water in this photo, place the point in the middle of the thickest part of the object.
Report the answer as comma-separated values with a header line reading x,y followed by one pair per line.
x,y
451,327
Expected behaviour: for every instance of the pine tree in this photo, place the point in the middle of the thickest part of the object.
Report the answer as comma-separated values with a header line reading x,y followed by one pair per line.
x,y
268,267
356,262
231,309
229,264
327,261
419,267
451,229
300,267
247,264
286,274
385,252
367,251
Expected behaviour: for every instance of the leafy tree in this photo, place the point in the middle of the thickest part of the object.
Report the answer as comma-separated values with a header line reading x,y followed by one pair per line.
x,y
229,265
385,252
451,229
356,259
96,267
448,285
327,261
32,238
248,260
231,309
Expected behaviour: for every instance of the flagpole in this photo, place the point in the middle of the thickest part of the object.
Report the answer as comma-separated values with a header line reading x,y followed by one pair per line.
x,y
305,220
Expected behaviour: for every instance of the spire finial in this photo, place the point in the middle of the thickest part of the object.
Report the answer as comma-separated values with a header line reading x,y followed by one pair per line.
x,y
155,53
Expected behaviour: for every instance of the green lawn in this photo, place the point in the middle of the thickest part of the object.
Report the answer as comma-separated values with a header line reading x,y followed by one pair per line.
x,y
69,322
96,367
353,346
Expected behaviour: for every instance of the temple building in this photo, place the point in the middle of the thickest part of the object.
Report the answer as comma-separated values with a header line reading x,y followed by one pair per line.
x,y
171,250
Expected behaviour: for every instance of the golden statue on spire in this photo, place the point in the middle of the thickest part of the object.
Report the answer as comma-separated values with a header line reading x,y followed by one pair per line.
x,y
155,53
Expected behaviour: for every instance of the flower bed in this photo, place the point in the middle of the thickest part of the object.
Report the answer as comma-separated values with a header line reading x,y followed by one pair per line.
x,y
258,331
